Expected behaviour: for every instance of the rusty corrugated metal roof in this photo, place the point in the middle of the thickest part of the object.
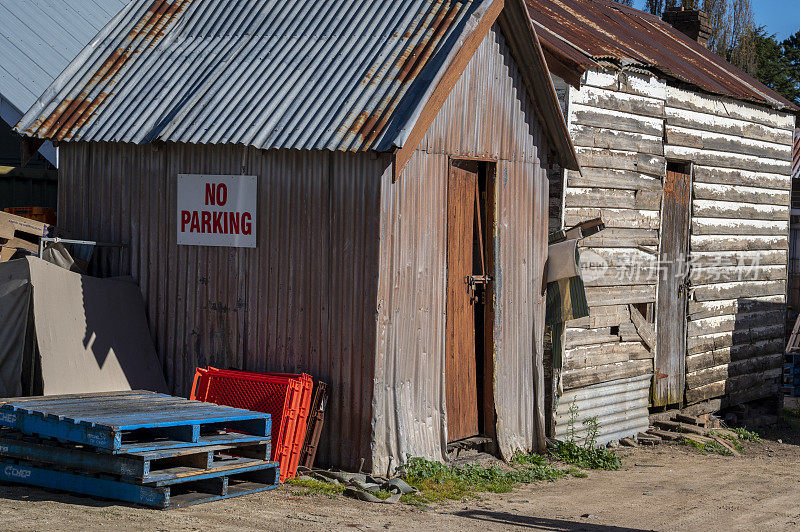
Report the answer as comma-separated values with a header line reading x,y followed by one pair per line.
x,y
332,74
585,34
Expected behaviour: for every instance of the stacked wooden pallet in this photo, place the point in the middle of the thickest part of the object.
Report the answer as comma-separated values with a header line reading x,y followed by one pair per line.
x,y
140,447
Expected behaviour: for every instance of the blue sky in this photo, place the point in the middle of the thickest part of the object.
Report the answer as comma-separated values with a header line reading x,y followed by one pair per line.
x,y
781,17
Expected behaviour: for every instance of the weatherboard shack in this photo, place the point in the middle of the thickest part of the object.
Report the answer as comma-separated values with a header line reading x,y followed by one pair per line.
x,y
391,158
687,160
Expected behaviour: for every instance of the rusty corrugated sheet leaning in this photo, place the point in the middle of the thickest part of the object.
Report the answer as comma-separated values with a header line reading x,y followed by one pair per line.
x,y
585,34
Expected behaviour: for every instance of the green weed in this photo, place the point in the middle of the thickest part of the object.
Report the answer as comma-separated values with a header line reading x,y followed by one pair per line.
x,y
314,487
585,455
438,482
747,435
706,448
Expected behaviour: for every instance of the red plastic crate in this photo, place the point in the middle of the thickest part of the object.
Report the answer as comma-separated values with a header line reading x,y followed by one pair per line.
x,y
286,397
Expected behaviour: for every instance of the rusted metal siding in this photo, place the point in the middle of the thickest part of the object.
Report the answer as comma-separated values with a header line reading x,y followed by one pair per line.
x,y
488,114
273,74
303,300
591,34
620,407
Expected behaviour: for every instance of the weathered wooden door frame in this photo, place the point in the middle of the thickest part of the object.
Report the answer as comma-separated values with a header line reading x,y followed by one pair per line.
x,y
688,170
486,417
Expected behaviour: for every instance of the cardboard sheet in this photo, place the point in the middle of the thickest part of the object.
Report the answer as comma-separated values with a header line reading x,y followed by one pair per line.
x,y
91,333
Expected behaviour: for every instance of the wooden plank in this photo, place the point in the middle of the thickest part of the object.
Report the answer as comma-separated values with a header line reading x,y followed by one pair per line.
x,y
610,372
733,322
727,160
601,317
737,368
701,122
741,194
713,243
619,101
600,198
736,290
670,312
733,177
737,210
711,140
702,276
644,274
679,100
726,355
730,386
711,342
643,327
720,226
613,218
581,337
622,160
592,116
623,237
620,295
610,139
612,178
740,259
627,83
603,354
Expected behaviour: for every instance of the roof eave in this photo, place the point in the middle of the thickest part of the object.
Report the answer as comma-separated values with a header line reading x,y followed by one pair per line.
x,y
526,49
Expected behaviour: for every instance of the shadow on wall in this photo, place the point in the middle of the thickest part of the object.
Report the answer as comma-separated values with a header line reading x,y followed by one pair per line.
x,y
742,361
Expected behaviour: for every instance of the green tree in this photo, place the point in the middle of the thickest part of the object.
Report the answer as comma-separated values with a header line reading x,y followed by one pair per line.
x,y
778,64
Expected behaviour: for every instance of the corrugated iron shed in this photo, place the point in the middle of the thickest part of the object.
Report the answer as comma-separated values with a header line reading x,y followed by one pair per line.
x,y
38,39
796,155
578,35
348,75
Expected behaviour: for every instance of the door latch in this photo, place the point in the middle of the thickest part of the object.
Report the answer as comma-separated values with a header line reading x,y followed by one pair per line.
x,y
476,286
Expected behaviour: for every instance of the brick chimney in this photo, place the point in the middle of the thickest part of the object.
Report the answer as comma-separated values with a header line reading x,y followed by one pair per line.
x,y
691,22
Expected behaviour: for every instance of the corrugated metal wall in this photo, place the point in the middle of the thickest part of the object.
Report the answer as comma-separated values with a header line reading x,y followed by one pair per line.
x,y
309,298
303,300
620,407
486,115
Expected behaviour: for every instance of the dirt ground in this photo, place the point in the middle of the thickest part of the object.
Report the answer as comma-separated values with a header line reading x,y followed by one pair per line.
x,y
668,487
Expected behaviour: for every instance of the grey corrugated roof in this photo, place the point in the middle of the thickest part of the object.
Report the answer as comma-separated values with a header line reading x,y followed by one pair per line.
x,y
330,74
38,39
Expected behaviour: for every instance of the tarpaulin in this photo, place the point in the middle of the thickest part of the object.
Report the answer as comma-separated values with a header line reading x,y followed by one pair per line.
x,y
91,334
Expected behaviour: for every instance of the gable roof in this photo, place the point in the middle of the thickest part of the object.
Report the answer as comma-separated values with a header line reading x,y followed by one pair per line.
x,y
39,39
349,75
579,35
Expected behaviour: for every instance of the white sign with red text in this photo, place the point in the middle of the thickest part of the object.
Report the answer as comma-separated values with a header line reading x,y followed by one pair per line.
x,y
217,210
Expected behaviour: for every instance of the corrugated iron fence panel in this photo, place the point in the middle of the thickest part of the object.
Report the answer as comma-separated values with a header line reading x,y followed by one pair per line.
x,y
302,301
486,115
620,407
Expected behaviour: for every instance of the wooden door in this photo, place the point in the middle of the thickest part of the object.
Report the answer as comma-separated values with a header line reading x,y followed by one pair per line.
x,y
670,356
461,381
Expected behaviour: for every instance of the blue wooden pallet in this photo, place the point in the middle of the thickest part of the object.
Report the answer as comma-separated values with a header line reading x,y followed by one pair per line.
x,y
194,491
136,421
145,467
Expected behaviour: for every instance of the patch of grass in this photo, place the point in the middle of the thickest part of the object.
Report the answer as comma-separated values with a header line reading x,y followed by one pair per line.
x,y
311,486
706,448
734,441
586,457
747,435
437,482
